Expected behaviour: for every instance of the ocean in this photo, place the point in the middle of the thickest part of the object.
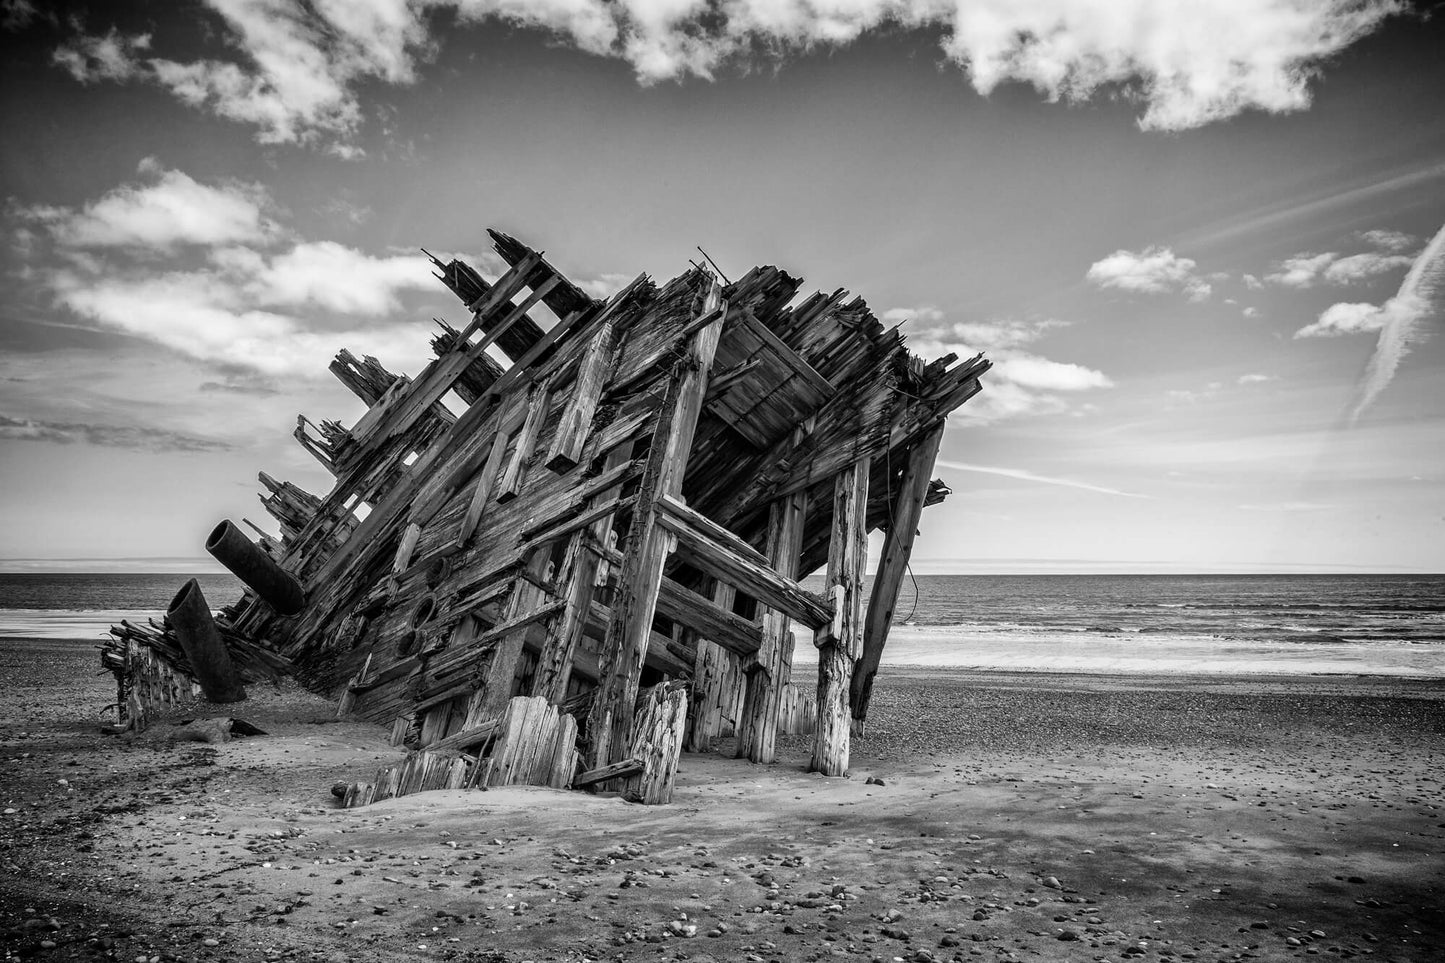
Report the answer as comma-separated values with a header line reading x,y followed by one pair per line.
x,y
1363,624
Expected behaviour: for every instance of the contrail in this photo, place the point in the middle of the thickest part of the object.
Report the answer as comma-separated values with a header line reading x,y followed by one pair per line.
x,y
1030,476
1416,300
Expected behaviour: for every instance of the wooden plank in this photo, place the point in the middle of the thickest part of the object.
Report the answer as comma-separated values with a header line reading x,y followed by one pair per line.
x,y
675,507
621,769
576,422
708,619
758,722
757,579
905,513
839,641
815,381
511,483
482,493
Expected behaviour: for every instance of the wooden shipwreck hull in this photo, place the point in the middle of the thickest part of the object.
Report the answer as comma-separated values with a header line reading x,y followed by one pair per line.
x,y
631,499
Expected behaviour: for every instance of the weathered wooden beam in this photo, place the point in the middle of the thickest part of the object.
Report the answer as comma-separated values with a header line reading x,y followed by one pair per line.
x,y
511,482
576,422
716,675
905,513
758,722
756,578
482,493
640,577
708,619
621,769
839,642
678,510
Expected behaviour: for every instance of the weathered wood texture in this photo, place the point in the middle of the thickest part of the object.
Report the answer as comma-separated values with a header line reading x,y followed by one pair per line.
x,y
840,642
547,506
656,742
757,726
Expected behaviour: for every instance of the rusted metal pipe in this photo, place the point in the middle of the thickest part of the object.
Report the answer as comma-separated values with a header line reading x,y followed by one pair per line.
x,y
277,587
190,616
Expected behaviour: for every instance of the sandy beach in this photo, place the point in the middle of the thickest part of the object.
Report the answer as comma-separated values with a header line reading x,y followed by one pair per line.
x,y
1014,816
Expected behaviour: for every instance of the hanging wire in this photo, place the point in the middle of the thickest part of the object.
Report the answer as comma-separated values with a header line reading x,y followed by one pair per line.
x,y
893,522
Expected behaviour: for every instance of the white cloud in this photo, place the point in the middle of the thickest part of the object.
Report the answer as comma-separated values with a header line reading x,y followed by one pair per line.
x,y
1020,382
1391,242
1307,270
1252,282
1255,379
112,57
1362,267
1250,312
603,286
923,314
171,211
300,65
338,278
1344,318
1154,270
1041,374
1302,270
241,290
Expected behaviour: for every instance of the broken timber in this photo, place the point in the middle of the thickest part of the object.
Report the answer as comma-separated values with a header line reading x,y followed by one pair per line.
x,y
579,500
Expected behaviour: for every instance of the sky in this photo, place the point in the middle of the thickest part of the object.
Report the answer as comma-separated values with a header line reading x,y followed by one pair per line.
x,y
1201,244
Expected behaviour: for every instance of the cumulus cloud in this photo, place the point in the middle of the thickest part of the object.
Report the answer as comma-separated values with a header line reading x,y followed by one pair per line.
x,y
1255,379
111,436
1154,270
295,68
1021,382
170,211
1308,270
241,292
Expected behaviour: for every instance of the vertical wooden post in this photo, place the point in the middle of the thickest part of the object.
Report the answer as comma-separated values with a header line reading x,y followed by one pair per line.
x,y
713,677
625,649
904,515
840,642
758,722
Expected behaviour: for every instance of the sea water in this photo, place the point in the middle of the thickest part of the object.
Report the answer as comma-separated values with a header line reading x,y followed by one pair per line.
x,y
1370,624
81,606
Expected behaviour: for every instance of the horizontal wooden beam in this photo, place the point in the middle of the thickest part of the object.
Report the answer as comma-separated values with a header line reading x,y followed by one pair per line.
x,y
755,578
708,619
711,529
617,770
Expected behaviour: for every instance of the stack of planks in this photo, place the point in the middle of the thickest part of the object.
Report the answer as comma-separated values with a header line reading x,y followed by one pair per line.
x,y
576,511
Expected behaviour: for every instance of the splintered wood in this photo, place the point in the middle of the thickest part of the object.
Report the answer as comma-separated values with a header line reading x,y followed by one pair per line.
x,y
571,545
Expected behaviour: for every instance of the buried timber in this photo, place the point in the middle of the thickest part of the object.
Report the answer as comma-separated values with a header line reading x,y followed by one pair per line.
x,y
568,568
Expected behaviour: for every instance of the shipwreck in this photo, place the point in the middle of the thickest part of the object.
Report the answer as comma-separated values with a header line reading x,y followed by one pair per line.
x,y
567,568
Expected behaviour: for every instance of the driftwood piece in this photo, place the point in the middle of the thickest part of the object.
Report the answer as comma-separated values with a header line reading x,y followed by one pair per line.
x,y
657,741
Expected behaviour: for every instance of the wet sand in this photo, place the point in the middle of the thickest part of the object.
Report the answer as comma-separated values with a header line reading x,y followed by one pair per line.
x,y
1020,816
